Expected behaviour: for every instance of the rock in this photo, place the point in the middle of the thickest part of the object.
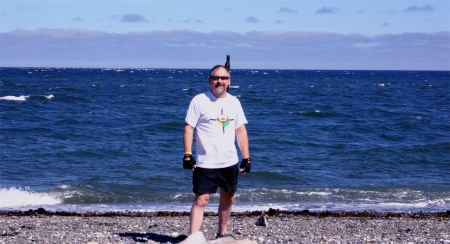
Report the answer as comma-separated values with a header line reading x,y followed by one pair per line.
x,y
262,221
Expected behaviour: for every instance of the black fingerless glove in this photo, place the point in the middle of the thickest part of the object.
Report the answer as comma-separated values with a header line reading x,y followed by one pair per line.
x,y
188,164
245,164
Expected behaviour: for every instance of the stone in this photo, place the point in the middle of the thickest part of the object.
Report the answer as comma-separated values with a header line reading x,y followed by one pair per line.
x,y
262,221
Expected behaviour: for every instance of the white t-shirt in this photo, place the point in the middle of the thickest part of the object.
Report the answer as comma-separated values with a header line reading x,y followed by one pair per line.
x,y
215,120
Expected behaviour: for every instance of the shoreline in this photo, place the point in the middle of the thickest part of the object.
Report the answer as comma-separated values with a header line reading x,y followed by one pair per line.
x,y
270,212
40,226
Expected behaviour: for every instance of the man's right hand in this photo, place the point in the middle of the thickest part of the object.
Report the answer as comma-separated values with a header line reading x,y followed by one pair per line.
x,y
189,162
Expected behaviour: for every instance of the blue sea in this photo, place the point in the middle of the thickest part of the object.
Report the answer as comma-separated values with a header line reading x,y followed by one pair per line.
x,y
85,139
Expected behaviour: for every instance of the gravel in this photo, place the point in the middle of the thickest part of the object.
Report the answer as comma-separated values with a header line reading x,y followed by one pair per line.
x,y
281,228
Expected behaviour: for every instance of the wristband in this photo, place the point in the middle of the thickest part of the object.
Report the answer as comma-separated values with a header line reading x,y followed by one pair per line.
x,y
188,153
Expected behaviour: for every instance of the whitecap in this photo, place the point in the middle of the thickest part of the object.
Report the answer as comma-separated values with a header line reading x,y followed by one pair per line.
x,y
177,196
17,197
14,98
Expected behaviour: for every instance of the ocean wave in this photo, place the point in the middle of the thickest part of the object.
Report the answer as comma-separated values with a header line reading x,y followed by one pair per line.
x,y
85,198
22,197
14,98
23,98
317,113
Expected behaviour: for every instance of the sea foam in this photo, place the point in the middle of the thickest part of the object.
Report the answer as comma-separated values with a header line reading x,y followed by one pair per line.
x,y
23,98
18,197
14,98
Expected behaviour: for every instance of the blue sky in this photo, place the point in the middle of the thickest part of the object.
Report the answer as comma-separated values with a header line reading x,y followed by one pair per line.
x,y
319,34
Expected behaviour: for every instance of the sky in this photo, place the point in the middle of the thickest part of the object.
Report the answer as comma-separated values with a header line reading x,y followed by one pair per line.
x,y
257,34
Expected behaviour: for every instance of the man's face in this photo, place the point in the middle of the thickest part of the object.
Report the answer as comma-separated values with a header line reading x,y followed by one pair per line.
x,y
219,86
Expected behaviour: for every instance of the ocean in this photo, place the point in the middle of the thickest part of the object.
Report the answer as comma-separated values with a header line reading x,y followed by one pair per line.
x,y
90,139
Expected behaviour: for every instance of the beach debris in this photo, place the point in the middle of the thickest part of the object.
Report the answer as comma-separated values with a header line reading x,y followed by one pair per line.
x,y
262,221
272,212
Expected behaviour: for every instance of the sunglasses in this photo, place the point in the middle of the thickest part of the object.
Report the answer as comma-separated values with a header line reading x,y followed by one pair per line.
x,y
219,77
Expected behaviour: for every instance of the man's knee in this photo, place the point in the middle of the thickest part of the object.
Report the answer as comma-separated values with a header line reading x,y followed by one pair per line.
x,y
230,199
227,196
201,200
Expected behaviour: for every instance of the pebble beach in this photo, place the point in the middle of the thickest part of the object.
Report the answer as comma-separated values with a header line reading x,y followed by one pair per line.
x,y
281,227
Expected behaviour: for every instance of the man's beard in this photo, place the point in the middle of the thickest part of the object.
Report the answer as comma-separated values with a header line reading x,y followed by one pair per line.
x,y
219,90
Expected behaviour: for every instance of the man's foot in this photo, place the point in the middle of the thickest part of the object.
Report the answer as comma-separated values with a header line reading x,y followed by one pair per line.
x,y
223,236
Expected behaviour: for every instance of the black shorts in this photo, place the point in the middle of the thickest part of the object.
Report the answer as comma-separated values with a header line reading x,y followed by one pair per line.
x,y
207,180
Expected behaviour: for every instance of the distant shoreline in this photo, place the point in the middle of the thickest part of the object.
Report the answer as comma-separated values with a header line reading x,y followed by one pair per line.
x,y
207,68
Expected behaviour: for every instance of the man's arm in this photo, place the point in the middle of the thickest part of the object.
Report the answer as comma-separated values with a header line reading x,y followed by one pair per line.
x,y
242,139
188,137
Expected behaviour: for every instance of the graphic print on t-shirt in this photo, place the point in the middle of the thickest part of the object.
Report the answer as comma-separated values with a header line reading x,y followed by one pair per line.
x,y
223,120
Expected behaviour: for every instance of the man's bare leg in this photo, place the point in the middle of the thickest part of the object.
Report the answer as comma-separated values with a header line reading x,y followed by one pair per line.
x,y
225,205
197,210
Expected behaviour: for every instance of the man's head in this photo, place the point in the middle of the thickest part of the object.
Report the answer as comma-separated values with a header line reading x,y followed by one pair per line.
x,y
219,80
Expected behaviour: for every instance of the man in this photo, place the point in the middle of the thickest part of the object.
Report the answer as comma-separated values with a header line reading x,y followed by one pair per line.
x,y
219,119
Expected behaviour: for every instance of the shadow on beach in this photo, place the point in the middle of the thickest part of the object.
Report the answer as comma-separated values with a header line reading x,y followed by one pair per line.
x,y
140,237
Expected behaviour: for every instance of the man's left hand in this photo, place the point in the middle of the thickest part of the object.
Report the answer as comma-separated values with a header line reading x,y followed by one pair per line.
x,y
245,166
